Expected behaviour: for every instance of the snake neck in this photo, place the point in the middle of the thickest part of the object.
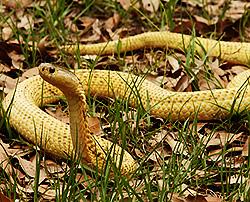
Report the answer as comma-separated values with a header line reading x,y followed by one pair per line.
x,y
80,132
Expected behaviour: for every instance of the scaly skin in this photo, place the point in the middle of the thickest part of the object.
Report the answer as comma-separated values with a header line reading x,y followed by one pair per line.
x,y
230,51
30,121
94,151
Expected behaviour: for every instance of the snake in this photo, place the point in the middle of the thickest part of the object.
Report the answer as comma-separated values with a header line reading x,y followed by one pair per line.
x,y
22,104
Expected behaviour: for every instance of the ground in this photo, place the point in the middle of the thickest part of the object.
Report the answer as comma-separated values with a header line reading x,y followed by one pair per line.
x,y
179,160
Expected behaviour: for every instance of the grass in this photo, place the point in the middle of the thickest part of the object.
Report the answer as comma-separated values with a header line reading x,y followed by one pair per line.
x,y
174,157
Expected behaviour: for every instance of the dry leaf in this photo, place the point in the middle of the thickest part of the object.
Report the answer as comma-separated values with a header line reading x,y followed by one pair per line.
x,y
96,33
26,22
183,83
7,83
4,68
174,63
245,151
53,167
4,159
4,198
213,199
125,4
112,22
176,146
29,73
237,9
29,167
94,125
58,113
151,5
237,69
17,3
6,33
86,22
198,198
48,193
176,198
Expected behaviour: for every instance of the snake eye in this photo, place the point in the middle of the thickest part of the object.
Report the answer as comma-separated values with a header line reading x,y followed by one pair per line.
x,y
52,70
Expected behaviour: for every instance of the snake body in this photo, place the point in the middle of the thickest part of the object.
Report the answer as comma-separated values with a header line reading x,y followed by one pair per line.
x,y
22,104
230,51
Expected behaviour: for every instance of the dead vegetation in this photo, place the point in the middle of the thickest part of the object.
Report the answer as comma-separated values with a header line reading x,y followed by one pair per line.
x,y
190,161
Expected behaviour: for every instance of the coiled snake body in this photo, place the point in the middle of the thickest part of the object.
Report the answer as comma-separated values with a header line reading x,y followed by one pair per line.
x,y
55,137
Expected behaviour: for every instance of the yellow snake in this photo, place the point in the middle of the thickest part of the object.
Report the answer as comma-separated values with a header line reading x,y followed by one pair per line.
x,y
22,104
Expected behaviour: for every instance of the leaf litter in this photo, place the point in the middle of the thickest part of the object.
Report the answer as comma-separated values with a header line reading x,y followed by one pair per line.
x,y
222,148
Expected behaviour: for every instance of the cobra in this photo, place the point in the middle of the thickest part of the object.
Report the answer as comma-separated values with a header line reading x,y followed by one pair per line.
x,y
62,140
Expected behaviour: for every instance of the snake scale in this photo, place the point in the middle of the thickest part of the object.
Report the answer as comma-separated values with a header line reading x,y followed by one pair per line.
x,y
61,140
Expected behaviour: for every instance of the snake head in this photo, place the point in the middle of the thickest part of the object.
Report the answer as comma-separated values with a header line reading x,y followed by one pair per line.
x,y
62,78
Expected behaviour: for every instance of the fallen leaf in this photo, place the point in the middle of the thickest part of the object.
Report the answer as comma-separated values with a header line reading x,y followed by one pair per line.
x,y
213,199
174,63
198,198
94,125
4,159
7,83
58,113
7,33
4,198
151,5
30,168
53,167
183,84
176,146
245,151
17,3
29,73
26,22
125,4
112,22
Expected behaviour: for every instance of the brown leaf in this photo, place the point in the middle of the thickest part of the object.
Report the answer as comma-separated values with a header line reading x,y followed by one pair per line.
x,y
53,167
176,146
125,4
17,3
17,59
7,83
26,22
139,153
151,5
70,25
213,199
183,84
4,198
176,198
87,22
209,21
197,198
94,125
30,168
58,113
174,63
96,35
245,151
112,22
220,138
29,73
237,69
4,159
47,193
6,33
237,9
4,68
